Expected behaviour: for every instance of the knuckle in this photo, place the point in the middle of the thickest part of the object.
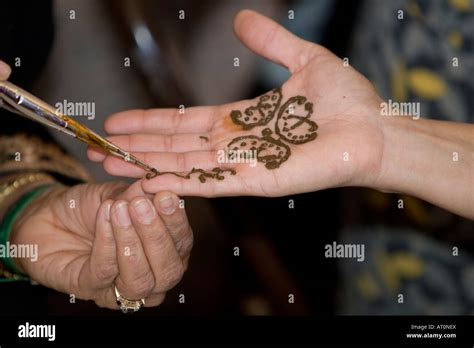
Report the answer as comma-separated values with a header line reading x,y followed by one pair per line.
x,y
143,285
158,241
160,299
176,120
131,245
104,301
167,143
181,161
105,271
178,222
100,303
186,263
185,244
132,257
106,238
173,275
210,143
155,300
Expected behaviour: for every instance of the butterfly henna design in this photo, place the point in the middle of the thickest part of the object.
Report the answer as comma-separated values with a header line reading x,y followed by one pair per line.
x,y
260,114
293,126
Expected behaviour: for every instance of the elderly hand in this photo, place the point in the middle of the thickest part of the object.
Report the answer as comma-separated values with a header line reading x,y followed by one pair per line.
x,y
108,238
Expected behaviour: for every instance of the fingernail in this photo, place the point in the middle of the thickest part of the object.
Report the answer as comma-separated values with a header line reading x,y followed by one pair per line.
x,y
167,205
121,214
4,69
145,211
107,212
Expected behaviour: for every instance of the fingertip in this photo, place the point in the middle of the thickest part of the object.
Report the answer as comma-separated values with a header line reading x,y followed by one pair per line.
x,y
166,202
103,214
104,228
267,38
119,214
133,191
109,124
117,123
5,71
143,210
110,165
106,206
155,185
95,155
118,167
241,16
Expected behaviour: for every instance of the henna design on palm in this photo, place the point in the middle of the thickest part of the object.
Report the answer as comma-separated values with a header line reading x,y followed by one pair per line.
x,y
270,151
260,114
293,125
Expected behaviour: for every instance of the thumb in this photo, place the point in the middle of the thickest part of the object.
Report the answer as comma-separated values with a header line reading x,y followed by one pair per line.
x,y
4,71
272,41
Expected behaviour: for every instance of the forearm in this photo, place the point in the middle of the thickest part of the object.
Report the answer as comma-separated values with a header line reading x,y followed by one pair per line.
x,y
27,166
432,160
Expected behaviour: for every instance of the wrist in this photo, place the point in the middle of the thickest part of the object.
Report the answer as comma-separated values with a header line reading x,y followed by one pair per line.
x,y
426,159
29,207
370,150
403,160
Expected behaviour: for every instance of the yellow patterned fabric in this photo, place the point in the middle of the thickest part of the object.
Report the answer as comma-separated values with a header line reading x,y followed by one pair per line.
x,y
420,51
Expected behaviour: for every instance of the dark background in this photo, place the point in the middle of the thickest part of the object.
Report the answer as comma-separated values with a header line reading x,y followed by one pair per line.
x,y
190,63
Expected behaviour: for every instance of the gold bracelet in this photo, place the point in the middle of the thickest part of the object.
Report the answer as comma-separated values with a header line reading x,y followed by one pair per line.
x,y
6,190
35,155
6,275
22,180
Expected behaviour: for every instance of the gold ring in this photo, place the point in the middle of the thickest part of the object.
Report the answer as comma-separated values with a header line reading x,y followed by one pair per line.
x,y
126,305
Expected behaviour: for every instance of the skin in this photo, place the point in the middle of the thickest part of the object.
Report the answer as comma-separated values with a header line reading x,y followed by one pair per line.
x,y
4,71
105,240
392,154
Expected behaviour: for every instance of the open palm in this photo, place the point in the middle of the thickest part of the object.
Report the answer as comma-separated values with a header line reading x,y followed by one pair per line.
x,y
334,136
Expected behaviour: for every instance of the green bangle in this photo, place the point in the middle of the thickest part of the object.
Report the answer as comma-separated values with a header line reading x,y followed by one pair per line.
x,y
7,225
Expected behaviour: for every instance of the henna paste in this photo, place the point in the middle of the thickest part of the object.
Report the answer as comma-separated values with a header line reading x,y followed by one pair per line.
x,y
206,139
292,126
270,151
260,114
216,173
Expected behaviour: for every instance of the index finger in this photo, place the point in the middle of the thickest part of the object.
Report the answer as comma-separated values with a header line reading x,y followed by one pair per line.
x,y
162,121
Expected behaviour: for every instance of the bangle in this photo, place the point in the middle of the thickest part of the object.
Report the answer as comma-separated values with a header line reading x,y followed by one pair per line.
x,y
8,189
6,228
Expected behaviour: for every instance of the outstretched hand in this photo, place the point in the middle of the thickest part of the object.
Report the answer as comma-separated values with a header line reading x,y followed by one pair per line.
x,y
320,129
